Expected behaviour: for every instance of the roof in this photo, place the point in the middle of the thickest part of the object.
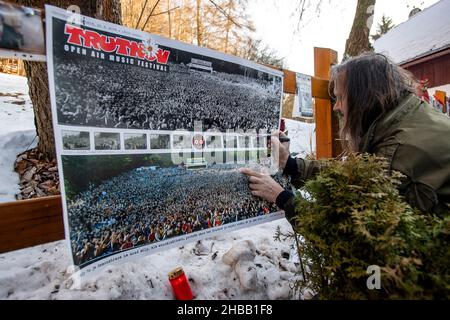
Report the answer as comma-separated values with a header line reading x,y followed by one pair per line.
x,y
425,33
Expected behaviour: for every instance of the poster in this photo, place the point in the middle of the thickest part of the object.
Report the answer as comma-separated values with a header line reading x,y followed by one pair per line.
x,y
303,106
150,134
21,33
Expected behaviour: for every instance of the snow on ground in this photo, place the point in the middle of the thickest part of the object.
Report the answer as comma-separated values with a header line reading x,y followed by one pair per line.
x,y
41,272
264,269
16,130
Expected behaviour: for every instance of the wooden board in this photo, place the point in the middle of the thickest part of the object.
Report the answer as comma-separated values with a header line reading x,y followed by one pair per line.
x,y
28,223
319,90
325,135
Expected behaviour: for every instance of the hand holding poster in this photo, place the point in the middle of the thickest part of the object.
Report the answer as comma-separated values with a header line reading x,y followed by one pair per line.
x,y
150,134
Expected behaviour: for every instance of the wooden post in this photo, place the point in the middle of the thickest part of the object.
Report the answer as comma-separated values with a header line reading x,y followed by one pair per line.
x,y
289,82
28,223
323,60
440,95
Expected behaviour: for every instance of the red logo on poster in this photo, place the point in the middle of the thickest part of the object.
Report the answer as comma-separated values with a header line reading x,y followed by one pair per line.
x,y
146,50
198,141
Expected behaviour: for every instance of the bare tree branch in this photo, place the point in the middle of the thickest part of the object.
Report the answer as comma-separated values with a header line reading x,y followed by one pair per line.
x,y
142,13
300,10
170,10
225,14
150,15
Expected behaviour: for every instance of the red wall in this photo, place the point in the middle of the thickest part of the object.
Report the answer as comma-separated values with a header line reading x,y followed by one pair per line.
x,y
437,71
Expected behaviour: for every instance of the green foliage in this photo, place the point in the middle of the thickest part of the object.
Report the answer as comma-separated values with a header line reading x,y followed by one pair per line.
x,y
354,217
384,27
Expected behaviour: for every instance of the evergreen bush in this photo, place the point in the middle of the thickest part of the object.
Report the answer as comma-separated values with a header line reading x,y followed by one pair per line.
x,y
354,217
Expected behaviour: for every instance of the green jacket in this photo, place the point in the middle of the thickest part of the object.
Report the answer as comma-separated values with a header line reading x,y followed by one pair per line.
x,y
415,139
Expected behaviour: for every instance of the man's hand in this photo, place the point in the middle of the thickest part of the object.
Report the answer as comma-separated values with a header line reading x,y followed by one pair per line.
x,y
262,185
280,150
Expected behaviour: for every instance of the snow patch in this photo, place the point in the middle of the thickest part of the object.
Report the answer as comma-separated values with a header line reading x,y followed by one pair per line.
x,y
41,272
17,131
241,251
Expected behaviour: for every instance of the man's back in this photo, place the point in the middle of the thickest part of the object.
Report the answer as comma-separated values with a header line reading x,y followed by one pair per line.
x,y
415,139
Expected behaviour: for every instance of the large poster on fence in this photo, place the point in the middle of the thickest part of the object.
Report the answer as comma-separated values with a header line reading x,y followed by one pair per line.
x,y
150,134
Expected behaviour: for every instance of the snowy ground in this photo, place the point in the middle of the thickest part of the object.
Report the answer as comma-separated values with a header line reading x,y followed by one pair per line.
x,y
16,130
41,272
257,267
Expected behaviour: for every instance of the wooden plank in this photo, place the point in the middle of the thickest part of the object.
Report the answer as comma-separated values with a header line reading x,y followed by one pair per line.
x,y
319,85
323,60
289,85
28,223
319,88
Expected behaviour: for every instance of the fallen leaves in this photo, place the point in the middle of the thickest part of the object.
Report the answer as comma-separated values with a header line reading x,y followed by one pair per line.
x,y
38,176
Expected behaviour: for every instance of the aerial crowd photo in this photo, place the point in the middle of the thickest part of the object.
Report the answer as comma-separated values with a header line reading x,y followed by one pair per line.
x,y
119,202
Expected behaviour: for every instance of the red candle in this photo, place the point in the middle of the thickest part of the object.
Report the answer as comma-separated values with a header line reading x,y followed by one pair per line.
x,y
180,284
283,125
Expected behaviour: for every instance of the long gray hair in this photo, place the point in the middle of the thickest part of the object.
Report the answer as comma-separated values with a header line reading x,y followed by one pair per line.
x,y
373,85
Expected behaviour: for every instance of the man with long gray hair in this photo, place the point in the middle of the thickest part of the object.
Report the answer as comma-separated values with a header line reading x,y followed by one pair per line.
x,y
382,115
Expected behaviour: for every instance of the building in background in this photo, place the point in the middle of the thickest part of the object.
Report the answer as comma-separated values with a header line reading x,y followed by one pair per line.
x,y
422,45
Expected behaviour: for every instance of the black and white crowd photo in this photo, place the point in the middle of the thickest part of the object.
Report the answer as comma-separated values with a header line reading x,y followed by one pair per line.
x,y
159,141
119,202
75,140
107,141
135,141
220,94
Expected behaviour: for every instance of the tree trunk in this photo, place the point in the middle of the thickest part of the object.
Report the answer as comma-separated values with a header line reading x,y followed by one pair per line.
x,y
199,24
36,72
170,19
358,41
109,10
38,89
228,27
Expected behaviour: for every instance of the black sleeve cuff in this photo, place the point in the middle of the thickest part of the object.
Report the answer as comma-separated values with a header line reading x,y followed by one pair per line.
x,y
282,198
291,167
